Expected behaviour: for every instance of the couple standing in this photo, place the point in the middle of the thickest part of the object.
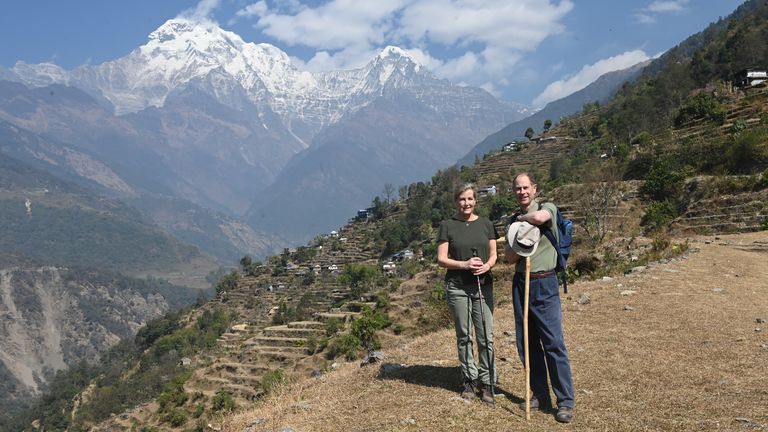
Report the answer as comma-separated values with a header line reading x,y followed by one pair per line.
x,y
466,246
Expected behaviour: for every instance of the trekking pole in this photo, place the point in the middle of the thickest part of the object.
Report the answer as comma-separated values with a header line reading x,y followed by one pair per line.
x,y
485,334
525,340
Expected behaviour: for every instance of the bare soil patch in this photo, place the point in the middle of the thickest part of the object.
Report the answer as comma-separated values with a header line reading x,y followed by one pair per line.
x,y
680,346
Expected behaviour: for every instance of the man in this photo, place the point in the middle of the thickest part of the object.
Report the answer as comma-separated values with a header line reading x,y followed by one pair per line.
x,y
547,351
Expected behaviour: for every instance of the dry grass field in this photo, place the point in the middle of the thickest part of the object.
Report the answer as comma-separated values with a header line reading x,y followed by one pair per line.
x,y
681,346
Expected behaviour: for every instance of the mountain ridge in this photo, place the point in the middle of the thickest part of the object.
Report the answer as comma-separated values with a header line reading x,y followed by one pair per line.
x,y
258,112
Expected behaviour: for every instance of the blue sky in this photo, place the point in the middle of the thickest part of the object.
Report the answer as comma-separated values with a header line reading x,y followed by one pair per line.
x,y
526,51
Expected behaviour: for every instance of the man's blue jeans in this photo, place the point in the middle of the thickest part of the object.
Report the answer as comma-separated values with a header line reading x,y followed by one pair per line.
x,y
545,338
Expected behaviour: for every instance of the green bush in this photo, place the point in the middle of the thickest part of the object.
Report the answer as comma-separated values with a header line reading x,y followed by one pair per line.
x,y
664,182
365,328
702,105
199,410
659,214
228,282
272,379
174,417
223,401
345,345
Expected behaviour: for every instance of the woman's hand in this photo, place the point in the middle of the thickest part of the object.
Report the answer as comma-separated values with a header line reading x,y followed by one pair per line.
x,y
477,266
482,269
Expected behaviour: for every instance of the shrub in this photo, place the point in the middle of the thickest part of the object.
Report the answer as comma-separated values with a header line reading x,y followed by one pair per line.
x,y
174,417
223,400
227,283
272,379
702,105
316,345
332,326
346,345
199,410
365,327
664,182
659,214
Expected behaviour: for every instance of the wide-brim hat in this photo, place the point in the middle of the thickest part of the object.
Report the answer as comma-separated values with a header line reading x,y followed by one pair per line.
x,y
523,238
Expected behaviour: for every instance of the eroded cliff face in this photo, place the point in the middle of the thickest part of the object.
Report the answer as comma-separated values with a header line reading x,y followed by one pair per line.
x,y
52,318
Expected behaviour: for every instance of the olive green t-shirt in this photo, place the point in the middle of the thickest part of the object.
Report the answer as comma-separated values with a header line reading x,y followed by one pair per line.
x,y
463,236
545,257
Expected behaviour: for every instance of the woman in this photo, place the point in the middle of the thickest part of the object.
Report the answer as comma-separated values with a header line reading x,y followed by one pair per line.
x,y
466,246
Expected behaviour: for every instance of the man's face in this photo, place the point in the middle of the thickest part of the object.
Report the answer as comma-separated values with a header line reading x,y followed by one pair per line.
x,y
524,190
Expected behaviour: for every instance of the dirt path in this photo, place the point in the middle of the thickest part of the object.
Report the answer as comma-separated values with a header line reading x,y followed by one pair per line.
x,y
681,346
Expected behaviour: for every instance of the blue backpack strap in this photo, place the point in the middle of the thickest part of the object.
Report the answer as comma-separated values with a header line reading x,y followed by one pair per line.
x,y
560,261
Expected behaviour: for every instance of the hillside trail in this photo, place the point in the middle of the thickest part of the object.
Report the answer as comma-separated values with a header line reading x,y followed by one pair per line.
x,y
680,346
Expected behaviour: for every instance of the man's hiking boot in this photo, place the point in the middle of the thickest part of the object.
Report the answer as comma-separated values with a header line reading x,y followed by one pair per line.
x,y
487,394
536,405
564,414
469,391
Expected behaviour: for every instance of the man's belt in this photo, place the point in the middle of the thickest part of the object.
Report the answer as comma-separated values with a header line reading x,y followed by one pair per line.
x,y
540,274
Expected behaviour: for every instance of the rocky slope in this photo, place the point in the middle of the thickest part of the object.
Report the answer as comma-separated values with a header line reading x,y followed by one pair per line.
x,y
52,318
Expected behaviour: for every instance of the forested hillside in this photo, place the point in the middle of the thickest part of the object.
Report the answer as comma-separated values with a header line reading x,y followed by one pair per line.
x,y
59,223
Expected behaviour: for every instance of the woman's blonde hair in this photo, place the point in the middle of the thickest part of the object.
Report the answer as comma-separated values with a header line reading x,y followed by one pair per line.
x,y
463,188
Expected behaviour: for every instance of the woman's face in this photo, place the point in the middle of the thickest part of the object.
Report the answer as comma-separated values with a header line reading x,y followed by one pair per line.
x,y
465,204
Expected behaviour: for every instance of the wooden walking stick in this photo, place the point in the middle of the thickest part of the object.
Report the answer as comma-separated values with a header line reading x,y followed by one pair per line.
x,y
525,340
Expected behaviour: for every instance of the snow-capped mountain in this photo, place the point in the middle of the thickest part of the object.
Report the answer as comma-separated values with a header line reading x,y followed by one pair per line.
x,y
181,51
226,116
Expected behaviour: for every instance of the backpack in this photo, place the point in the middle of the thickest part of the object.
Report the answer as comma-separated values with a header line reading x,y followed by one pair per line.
x,y
563,248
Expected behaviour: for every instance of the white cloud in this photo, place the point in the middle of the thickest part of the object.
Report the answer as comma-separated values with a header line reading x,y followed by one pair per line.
x,y
253,9
348,58
666,6
424,58
494,34
336,25
648,14
643,18
460,67
202,11
587,75
479,40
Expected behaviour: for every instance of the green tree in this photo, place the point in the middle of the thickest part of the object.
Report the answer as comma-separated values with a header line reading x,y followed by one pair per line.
x,y
529,133
228,282
359,277
547,125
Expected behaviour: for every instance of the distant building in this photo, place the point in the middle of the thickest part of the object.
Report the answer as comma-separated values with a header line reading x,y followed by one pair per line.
x,y
543,139
389,267
750,77
488,190
512,146
402,255
364,214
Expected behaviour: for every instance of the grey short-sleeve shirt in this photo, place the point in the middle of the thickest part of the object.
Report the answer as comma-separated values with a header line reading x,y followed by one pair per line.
x,y
462,237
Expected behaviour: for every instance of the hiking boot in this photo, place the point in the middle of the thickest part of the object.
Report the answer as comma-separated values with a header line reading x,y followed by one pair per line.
x,y
564,414
469,391
536,405
487,394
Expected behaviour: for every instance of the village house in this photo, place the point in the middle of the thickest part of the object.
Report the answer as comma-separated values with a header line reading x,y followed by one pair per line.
x,y
750,77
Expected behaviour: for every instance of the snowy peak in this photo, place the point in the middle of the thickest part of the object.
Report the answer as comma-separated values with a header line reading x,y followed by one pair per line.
x,y
200,34
395,53
392,67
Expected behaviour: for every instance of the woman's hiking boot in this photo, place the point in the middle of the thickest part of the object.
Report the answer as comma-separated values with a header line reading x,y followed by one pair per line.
x,y
487,394
469,390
